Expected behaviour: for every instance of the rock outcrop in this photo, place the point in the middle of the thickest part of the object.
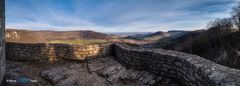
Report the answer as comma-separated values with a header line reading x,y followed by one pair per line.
x,y
103,72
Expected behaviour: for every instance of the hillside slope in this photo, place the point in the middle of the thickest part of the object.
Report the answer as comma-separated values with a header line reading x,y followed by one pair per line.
x,y
223,49
14,35
153,37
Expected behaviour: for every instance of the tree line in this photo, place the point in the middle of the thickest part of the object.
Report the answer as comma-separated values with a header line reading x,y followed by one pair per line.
x,y
226,25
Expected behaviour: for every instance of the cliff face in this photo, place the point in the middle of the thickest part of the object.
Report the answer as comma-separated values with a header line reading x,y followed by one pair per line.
x,y
13,35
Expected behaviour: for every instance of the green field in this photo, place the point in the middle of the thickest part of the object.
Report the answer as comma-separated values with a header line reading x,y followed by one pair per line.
x,y
77,41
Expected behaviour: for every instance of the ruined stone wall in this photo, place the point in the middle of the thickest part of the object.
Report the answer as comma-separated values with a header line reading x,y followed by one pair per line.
x,y
190,70
54,52
2,49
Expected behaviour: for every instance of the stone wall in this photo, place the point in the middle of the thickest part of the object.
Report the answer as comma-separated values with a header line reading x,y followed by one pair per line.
x,y
190,70
54,52
2,49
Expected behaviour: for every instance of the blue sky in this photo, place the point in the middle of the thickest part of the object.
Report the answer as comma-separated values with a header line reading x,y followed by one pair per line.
x,y
115,15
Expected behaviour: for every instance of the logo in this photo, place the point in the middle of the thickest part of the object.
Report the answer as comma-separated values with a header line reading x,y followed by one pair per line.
x,y
21,80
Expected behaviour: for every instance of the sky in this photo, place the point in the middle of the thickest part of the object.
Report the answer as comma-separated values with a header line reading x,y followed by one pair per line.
x,y
115,15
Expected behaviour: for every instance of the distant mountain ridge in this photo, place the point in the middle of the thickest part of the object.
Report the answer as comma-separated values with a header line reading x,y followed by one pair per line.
x,y
15,35
126,34
157,35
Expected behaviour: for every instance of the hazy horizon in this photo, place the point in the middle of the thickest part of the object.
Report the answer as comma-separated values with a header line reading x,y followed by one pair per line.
x,y
100,31
115,15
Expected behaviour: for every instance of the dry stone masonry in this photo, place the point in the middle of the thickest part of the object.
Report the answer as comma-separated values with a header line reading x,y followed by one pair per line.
x,y
2,49
186,69
190,70
54,52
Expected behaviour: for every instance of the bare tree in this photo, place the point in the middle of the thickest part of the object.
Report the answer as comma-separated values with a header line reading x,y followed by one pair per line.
x,y
236,15
221,26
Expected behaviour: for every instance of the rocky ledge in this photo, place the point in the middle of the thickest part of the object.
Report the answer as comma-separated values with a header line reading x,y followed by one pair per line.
x,y
97,72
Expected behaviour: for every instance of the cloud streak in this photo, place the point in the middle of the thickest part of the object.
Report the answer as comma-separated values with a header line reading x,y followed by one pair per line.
x,y
114,15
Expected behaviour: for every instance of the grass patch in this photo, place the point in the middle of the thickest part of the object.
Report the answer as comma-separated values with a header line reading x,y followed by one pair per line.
x,y
77,41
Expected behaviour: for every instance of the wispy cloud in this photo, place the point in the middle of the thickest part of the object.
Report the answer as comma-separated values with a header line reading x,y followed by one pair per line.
x,y
114,15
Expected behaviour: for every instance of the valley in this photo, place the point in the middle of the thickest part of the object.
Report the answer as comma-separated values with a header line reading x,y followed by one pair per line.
x,y
119,43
